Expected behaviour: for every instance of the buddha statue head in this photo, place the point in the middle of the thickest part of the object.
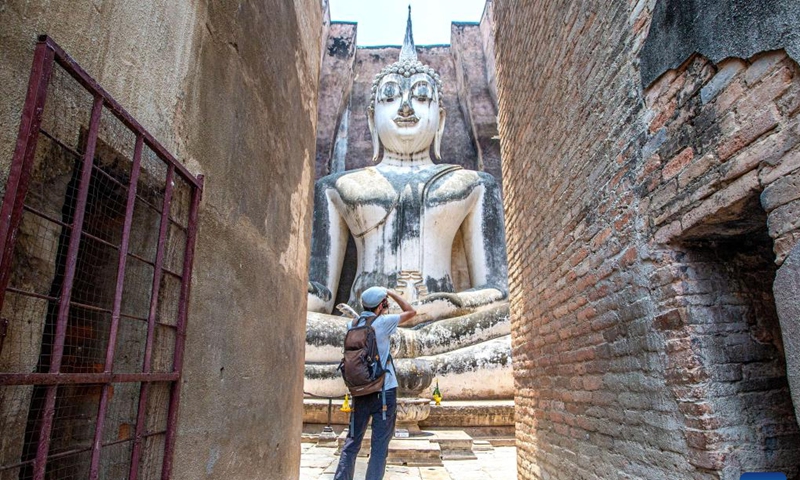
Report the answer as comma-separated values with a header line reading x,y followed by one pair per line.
x,y
405,113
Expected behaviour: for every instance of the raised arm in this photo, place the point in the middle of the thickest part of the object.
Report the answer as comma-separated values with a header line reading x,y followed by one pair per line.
x,y
483,230
328,244
408,311
485,245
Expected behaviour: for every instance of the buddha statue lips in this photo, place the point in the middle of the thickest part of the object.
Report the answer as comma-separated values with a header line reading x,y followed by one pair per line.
x,y
404,122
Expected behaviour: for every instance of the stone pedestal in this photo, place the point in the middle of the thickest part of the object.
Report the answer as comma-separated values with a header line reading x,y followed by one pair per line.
x,y
327,438
414,452
411,411
414,376
455,444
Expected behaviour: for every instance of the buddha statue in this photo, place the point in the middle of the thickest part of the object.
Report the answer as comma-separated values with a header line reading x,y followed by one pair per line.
x,y
404,214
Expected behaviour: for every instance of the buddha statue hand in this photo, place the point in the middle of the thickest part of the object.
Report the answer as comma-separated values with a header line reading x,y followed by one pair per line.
x,y
437,306
319,297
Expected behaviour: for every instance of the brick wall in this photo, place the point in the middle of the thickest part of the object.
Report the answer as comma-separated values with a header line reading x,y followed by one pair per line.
x,y
715,189
644,224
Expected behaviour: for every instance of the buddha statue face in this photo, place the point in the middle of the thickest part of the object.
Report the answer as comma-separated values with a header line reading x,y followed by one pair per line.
x,y
406,116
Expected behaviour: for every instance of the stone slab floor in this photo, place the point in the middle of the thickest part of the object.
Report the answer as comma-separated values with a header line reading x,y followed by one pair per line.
x,y
319,463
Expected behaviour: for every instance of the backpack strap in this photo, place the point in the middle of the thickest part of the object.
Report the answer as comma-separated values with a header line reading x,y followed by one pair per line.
x,y
368,320
352,431
383,389
383,402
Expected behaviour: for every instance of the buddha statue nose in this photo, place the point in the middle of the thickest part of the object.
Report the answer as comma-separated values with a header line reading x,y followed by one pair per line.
x,y
405,106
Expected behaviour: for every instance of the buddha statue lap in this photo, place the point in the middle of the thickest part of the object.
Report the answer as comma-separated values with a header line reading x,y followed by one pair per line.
x,y
404,214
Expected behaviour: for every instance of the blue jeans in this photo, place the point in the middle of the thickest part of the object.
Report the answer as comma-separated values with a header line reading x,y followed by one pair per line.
x,y
382,432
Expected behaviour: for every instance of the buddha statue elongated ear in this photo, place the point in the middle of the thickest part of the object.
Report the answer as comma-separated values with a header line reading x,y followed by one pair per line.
x,y
437,140
376,142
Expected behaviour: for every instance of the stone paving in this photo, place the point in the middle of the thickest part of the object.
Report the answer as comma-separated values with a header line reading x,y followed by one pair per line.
x,y
499,463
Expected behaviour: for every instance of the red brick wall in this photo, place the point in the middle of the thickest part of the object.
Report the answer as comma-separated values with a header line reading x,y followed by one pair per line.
x,y
717,192
731,133
644,227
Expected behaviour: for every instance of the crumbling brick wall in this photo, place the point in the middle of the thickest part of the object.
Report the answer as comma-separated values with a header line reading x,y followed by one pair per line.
x,y
645,224
717,195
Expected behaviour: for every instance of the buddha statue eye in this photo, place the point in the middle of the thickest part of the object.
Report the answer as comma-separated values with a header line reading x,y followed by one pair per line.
x,y
421,91
390,92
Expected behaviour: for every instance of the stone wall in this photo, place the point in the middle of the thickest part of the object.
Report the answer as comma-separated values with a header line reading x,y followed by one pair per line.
x,y
487,36
335,85
231,90
645,224
478,105
148,49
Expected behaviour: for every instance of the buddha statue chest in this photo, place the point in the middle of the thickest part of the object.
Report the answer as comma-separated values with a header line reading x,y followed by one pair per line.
x,y
404,222
372,200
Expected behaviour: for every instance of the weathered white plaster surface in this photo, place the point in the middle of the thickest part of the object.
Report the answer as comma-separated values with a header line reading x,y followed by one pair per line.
x,y
481,371
230,88
405,214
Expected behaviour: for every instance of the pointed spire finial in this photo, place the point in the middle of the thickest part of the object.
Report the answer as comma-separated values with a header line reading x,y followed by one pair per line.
x,y
409,51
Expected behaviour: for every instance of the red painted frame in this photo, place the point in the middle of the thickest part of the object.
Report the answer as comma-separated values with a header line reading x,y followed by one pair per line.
x,y
47,56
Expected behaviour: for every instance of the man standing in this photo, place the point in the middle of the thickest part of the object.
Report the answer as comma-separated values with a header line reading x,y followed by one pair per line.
x,y
375,301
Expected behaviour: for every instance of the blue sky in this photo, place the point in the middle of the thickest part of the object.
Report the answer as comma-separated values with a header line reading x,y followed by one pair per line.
x,y
383,22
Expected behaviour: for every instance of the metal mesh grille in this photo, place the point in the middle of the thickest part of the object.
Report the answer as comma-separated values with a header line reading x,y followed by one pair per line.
x,y
98,233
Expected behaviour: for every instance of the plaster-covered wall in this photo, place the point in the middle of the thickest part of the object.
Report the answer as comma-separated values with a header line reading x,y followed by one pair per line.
x,y
129,48
249,119
717,30
230,90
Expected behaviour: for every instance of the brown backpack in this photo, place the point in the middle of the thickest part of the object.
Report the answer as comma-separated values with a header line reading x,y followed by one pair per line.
x,y
361,366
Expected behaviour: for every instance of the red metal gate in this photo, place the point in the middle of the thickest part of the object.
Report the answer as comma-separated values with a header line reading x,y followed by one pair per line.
x,y
97,233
